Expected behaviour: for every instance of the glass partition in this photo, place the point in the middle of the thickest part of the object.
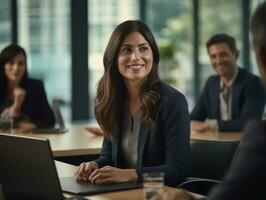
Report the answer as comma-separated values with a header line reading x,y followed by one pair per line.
x,y
5,23
44,31
173,30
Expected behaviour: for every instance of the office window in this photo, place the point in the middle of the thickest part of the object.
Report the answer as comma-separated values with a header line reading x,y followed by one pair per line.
x,y
104,16
171,23
219,16
43,30
5,23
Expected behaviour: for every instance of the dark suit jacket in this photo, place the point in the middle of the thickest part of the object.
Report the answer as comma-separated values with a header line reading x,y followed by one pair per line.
x,y
248,100
35,105
246,179
165,148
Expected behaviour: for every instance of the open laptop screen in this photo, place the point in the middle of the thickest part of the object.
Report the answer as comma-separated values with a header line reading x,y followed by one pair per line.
x,y
27,169
59,121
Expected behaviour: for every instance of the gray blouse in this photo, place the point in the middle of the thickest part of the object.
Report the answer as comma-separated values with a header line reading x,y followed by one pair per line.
x,y
130,137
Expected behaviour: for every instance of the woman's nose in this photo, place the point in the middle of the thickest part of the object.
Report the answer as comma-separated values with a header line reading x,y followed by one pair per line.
x,y
135,55
15,67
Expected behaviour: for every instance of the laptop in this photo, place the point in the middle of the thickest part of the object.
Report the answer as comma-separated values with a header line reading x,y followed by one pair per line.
x,y
59,121
27,171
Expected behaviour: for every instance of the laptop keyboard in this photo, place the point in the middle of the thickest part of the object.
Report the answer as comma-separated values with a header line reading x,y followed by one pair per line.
x,y
76,198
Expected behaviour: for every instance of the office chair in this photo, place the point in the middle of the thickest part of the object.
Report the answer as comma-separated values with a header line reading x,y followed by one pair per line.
x,y
198,185
209,162
1,193
211,159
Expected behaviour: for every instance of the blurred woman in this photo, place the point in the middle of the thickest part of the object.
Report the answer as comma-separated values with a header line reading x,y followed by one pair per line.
x,y
20,96
145,122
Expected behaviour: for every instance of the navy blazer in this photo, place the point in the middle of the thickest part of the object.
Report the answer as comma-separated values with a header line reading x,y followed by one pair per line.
x,y
36,106
248,100
246,179
165,148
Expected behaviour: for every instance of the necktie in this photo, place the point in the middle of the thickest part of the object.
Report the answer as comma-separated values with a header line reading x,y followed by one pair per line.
x,y
226,94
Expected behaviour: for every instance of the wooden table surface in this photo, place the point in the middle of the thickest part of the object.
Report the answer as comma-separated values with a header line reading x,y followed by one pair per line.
x,y
77,141
222,136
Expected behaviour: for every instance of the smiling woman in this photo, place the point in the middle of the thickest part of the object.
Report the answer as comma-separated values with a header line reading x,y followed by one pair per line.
x,y
145,122
21,97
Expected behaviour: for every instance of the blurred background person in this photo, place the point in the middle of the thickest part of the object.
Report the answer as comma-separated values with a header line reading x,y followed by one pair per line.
x,y
21,97
230,98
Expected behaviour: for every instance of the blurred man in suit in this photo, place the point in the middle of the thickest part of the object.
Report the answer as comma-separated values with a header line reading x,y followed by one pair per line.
x,y
246,179
228,98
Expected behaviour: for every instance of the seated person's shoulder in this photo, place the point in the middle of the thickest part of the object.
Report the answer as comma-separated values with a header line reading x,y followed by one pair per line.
x,y
213,78
34,84
34,88
248,77
171,98
255,130
212,81
168,92
256,125
35,81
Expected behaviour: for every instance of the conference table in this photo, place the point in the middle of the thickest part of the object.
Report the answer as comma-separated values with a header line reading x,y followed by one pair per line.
x,y
79,142
66,170
76,142
220,136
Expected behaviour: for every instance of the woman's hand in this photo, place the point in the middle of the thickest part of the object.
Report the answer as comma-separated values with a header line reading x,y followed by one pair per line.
x,y
19,95
199,126
25,125
110,174
85,169
94,130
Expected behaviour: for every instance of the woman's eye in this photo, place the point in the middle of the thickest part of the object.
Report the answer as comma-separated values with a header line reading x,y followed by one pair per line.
x,y
21,63
142,49
125,49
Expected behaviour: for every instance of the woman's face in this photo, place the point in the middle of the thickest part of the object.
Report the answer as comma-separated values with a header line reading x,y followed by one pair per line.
x,y
135,58
15,68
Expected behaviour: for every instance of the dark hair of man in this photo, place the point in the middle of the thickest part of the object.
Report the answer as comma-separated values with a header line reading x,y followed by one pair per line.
x,y
6,55
222,38
258,27
111,93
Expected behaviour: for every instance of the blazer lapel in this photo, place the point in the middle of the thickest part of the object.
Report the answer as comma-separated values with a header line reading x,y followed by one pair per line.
x,y
236,90
115,148
116,141
143,136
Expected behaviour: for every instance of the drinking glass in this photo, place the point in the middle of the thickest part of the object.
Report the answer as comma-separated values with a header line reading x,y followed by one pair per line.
x,y
6,123
153,183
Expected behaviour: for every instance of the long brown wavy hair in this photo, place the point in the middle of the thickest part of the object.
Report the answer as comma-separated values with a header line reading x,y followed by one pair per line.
x,y
111,93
